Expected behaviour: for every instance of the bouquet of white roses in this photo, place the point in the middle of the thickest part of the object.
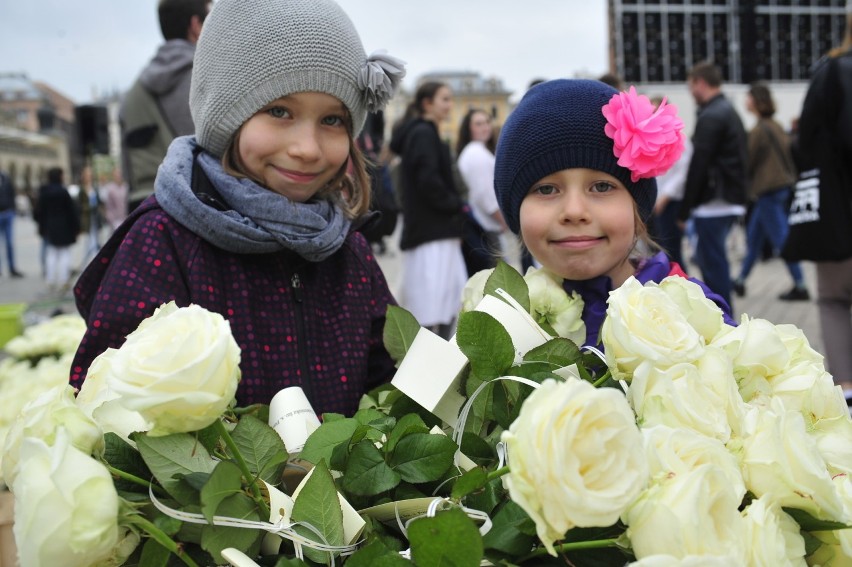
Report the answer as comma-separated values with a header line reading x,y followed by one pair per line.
x,y
688,443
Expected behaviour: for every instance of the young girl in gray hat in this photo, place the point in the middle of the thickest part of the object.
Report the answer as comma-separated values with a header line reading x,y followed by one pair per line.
x,y
574,176
255,217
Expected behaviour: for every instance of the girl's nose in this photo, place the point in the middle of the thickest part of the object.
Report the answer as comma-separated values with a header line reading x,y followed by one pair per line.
x,y
573,206
305,143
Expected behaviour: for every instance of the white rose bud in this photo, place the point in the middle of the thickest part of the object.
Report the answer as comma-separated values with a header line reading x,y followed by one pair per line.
x,y
42,418
66,506
645,324
772,536
589,436
179,369
687,514
474,289
780,459
551,304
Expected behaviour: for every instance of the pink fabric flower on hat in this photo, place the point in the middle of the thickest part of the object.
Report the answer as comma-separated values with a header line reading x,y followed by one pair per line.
x,y
647,141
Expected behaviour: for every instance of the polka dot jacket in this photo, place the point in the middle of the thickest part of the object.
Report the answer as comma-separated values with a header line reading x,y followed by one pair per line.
x,y
298,323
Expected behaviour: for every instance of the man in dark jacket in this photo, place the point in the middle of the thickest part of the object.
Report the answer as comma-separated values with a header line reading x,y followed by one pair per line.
x,y
156,108
7,218
59,224
715,193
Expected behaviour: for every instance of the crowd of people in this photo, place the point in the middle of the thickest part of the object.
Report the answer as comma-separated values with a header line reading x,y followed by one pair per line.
x,y
259,214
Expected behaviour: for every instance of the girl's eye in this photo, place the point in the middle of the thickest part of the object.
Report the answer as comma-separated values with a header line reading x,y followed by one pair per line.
x,y
602,187
544,190
333,121
277,112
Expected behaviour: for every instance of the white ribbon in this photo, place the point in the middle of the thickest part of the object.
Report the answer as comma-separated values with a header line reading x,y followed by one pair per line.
x,y
281,528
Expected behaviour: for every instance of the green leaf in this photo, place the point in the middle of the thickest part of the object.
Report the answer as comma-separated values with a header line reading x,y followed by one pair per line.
x,y
450,539
400,329
512,282
261,447
471,481
510,531
367,474
318,505
488,498
811,524
407,424
559,352
476,447
224,482
423,457
485,343
154,554
369,415
376,554
172,456
322,442
288,562
122,456
216,538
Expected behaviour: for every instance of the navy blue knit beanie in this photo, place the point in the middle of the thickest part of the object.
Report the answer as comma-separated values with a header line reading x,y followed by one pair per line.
x,y
559,125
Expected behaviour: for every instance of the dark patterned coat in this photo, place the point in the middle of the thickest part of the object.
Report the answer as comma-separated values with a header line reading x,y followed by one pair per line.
x,y
298,323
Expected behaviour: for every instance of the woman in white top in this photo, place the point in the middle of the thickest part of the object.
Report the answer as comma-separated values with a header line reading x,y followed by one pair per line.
x,y
475,151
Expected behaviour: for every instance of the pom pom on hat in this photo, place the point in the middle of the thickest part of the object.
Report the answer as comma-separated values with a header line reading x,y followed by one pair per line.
x,y
252,52
562,124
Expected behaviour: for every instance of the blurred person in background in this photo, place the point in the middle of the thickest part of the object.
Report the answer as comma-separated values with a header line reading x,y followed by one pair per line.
x,y
475,147
59,224
433,267
834,279
771,177
7,220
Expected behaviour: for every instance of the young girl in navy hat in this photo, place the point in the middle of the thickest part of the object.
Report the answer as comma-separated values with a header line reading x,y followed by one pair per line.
x,y
574,177
255,217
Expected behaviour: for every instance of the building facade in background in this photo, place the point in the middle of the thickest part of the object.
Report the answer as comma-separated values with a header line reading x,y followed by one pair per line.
x,y
657,41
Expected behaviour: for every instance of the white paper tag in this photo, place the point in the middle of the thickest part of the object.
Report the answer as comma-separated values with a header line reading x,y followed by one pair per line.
x,y
293,418
429,375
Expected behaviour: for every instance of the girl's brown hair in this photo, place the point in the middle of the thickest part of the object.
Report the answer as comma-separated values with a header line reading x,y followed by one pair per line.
x,y
349,189
762,99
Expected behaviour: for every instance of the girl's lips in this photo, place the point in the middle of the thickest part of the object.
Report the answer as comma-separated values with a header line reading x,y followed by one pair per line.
x,y
296,176
578,242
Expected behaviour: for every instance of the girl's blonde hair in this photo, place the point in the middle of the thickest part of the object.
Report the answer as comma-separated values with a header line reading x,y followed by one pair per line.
x,y
350,189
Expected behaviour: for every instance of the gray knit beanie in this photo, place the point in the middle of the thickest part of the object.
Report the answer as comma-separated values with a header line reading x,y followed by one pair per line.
x,y
252,52
562,124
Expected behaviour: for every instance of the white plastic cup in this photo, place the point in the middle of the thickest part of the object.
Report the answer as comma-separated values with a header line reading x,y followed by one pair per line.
x,y
293,418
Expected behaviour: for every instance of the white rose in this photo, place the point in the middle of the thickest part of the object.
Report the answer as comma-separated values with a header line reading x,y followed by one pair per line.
x,y
551,304
645,324
687,514
758,352
58,335
21,383
836,548
688,561
590,438
834,443
474,289
679,451
678,396
103,405
704,315
780,459
66,506
772,536
179,369
42,418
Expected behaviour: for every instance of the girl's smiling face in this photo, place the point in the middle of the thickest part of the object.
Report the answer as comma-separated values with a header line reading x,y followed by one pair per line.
x,y
580,224
296,144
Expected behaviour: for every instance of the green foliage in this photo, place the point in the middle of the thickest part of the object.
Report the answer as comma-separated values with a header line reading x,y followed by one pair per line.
x,y
448,539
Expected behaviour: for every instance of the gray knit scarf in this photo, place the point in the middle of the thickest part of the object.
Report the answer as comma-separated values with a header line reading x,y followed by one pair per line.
x,y
260,221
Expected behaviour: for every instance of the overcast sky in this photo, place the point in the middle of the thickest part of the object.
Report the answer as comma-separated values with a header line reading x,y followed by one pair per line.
x,y
78,46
